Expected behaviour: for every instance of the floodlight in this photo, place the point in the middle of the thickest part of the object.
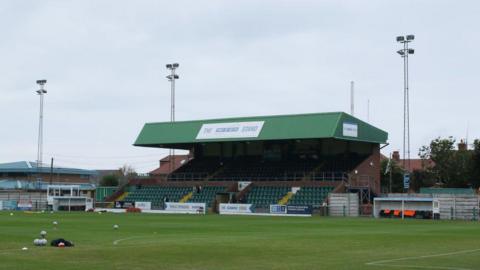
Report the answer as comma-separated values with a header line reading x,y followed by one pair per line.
x,y
175,76
411,51
401,52
41,91
410,37
400,38
41,82
169,65
175,65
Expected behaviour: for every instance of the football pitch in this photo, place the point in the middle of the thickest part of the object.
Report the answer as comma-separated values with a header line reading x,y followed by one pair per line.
x,y
187,242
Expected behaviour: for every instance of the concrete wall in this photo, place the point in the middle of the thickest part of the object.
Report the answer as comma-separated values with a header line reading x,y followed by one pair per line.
x,y
337,202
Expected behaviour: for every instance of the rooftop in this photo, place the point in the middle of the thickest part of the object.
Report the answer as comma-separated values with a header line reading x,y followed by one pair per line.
x,y
31,167
335,125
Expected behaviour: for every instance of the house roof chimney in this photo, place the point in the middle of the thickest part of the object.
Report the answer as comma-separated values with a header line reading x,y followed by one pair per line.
x,y
396,156
462,146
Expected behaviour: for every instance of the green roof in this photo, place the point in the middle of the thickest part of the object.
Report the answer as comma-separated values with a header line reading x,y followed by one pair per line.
x,y
277,127
463,191
31,167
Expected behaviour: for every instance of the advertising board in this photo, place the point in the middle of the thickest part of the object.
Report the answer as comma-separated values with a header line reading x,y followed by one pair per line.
x,y
9,205
278,209
186,208
124,204
235,208
24,205
299,209
143,205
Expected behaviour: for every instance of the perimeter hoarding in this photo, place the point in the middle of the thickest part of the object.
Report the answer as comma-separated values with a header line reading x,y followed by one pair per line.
x,y
186,208
235,208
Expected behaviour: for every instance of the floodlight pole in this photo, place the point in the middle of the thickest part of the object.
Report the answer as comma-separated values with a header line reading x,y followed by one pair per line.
x,y
171,78
406,98
41,92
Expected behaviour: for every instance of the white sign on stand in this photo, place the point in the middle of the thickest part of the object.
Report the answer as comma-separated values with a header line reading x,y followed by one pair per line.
x,y
235,208
143,205
230,130
186,208
350,129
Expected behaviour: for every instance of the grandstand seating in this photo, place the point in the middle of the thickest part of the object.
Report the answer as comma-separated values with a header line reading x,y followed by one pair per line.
x,y
314,196
252,169
196,169
206,194
263,196
157,195
259,169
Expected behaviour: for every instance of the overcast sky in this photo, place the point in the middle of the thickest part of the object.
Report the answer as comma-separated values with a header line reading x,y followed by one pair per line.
x,y
105,66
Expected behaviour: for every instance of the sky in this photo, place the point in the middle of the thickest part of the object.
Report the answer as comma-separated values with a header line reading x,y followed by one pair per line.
x,y
105,66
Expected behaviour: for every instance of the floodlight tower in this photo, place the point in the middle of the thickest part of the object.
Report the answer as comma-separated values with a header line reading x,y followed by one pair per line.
x,y
41,92
171,78
406,97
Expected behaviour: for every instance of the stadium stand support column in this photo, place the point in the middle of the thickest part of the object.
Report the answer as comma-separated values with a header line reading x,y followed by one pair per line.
x,y
285,198
186,197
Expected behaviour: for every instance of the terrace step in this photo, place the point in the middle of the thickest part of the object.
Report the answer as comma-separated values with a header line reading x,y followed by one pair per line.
x,y
186,197
285,198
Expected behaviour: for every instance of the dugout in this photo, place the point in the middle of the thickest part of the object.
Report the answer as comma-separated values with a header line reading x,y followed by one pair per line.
x,y
406,206
319,147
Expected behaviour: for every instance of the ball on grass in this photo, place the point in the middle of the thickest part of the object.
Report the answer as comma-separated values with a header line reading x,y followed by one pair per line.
x,y
55,223
24,248
11,214
43,233
115,227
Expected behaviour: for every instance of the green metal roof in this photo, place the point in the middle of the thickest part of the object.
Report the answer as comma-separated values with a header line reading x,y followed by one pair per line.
x,y
278,127
29,185
31,167
464,191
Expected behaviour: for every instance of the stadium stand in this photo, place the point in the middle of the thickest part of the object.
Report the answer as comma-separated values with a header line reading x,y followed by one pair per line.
x,y
263,196
262,158
314,196
260,169
206,194
196,169
157,195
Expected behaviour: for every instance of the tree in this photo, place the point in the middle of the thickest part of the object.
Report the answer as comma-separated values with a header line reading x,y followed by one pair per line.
x,y
397,176
451,167
421,178
476,163
110,180
126,171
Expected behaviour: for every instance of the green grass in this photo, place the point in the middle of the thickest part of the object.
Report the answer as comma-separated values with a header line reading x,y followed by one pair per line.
x,y
149,241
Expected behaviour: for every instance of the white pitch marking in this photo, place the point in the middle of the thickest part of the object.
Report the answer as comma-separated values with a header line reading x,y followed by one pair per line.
x,y
128,238
386,262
